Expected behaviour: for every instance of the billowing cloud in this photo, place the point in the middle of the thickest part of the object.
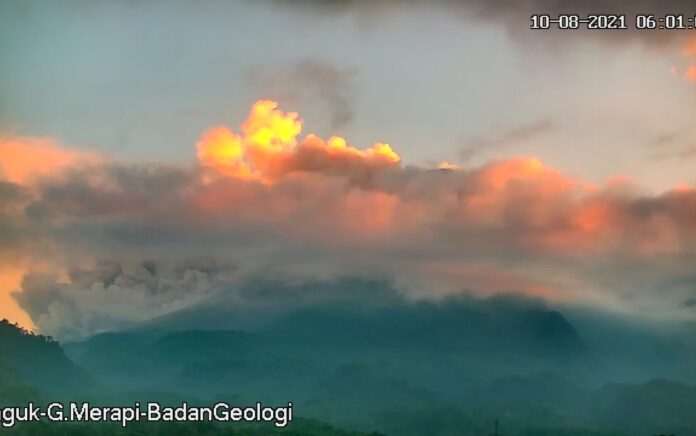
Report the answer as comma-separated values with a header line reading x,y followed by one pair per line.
x,y
263,202
111,296
24,242
268,149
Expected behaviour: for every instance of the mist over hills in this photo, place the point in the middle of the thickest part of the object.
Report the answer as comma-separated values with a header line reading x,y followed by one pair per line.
x,y
350,312
358,354
321,334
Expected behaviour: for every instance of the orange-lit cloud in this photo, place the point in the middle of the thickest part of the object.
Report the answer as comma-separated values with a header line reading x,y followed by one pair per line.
x,y
447,166
687,69
11,281
23,162
690,47
26,159
268,149
690,73
496,186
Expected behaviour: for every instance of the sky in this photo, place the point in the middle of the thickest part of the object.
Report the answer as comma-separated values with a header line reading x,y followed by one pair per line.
x,y
481,156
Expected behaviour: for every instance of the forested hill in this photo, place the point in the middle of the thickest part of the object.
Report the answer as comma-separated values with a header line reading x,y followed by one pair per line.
x,y
38,361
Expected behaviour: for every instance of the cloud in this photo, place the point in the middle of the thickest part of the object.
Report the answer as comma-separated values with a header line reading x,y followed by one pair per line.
x,y
311,79
111,296
268,149
13,198
687,72
25,158
690,73
271,204
507,138
672,146
514,14
10,281
690,47
684,153
664,139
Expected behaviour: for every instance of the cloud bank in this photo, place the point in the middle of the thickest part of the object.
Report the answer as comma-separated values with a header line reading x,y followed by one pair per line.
x,y
114,243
